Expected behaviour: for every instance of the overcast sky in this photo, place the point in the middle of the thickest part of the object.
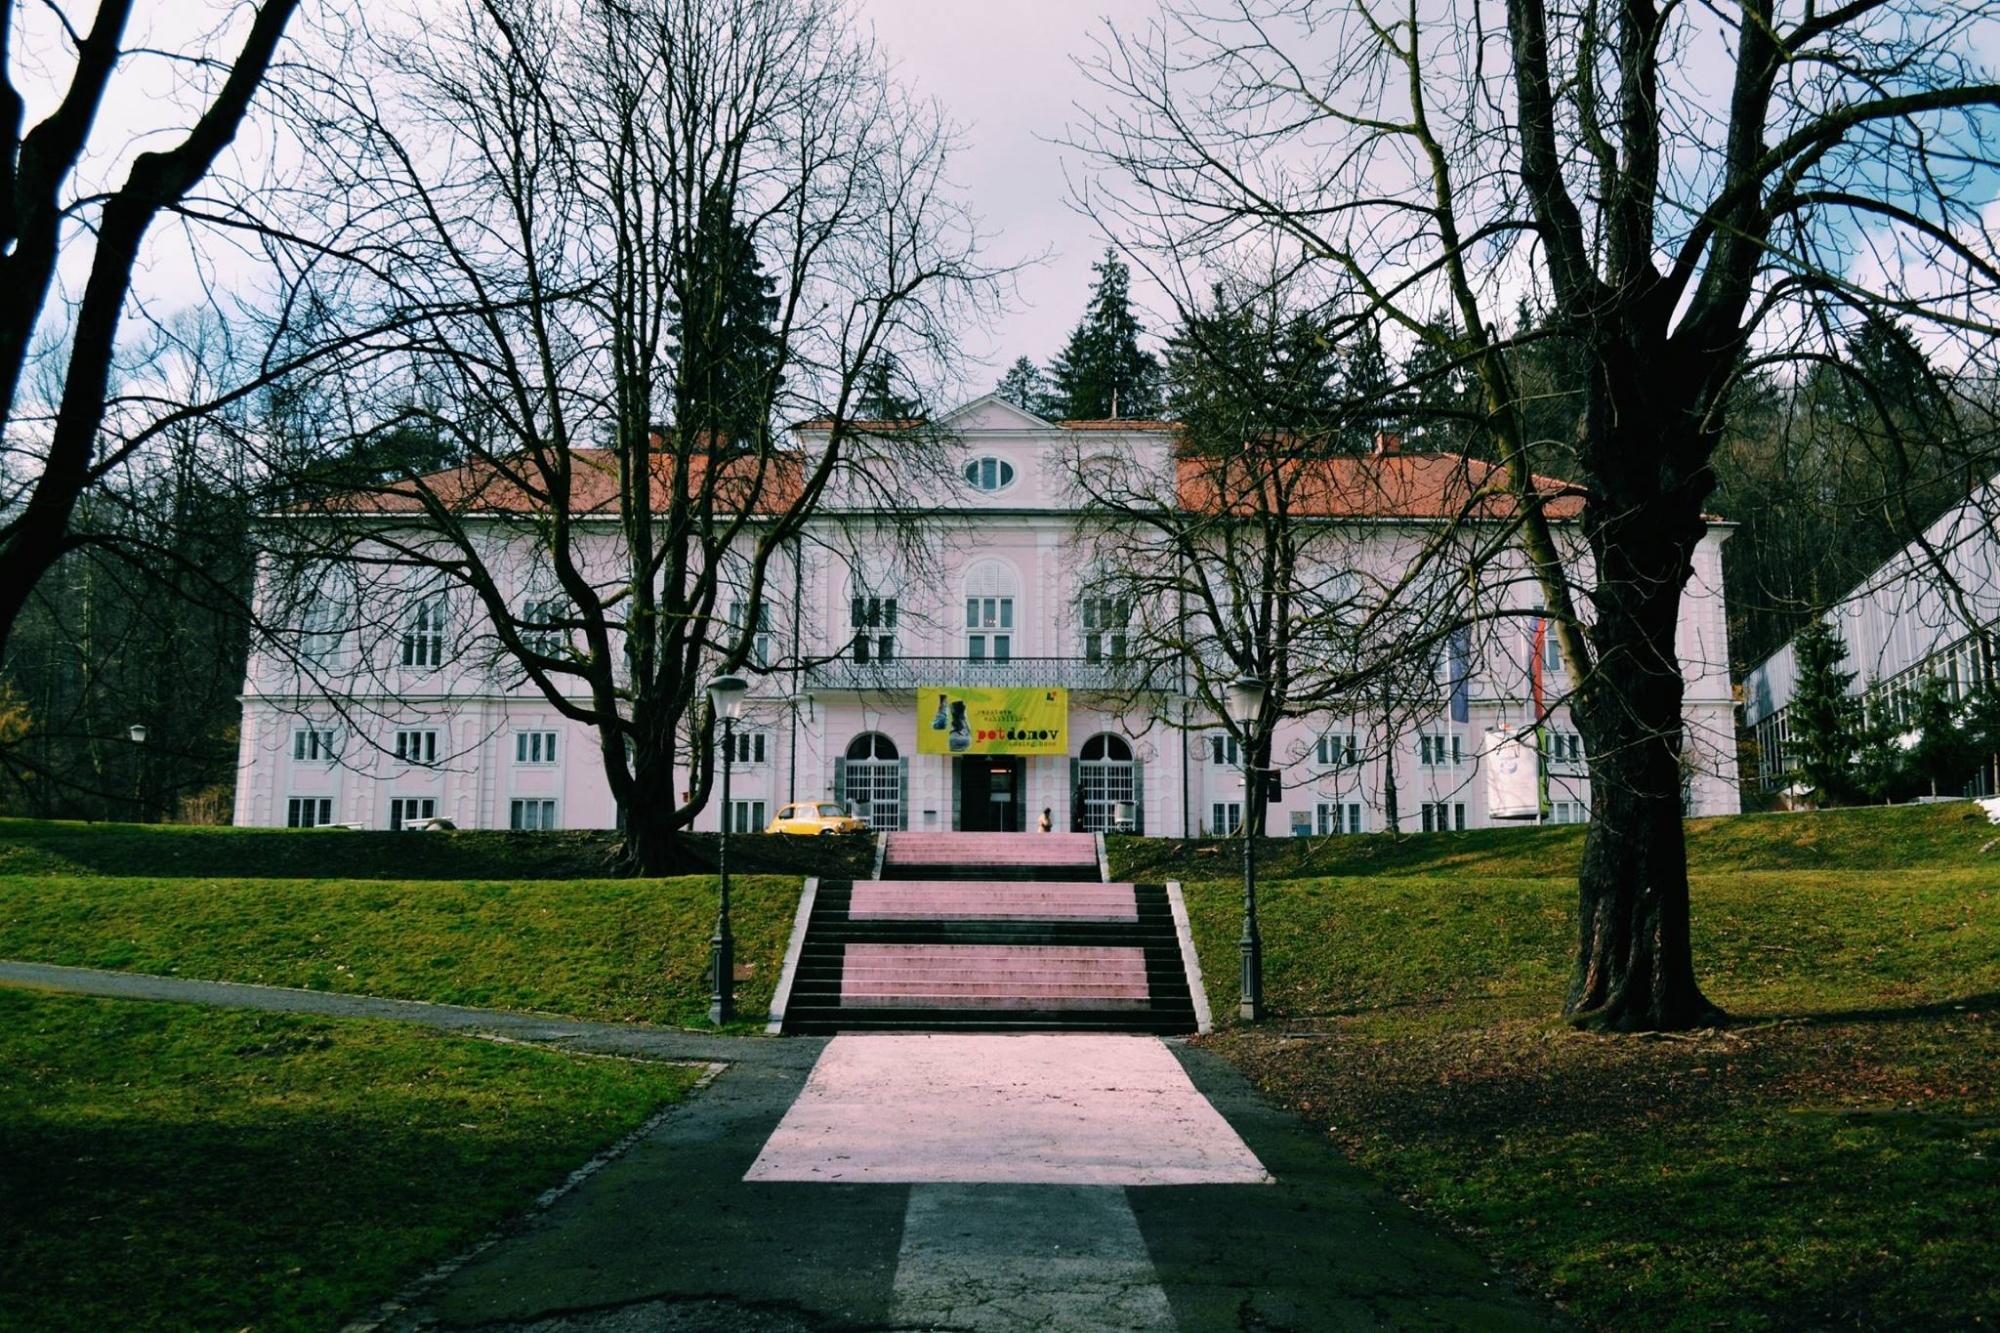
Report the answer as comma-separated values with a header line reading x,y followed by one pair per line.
x,y
1005,71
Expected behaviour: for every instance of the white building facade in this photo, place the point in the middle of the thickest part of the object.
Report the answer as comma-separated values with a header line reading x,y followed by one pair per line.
x,y
1933,609
877,678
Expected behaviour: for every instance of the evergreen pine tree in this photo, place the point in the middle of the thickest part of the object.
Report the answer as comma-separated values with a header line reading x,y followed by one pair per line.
x,y
1944,757
1102,371
1025,387
878,394
1824,716
721,315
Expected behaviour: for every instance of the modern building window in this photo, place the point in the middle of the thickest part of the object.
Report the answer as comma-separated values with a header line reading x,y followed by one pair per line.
x,y
1443,817
1223,750
1338,817
534,747
1225,817
871,781
417,747
989,474
989,629
751,747
1338,749
1437,749
312,745
1106,621
308,811
531,814
423,632
404,810
746,816
872,622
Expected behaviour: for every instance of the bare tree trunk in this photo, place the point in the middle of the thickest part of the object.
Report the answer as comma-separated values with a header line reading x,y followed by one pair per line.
x,y
1635,962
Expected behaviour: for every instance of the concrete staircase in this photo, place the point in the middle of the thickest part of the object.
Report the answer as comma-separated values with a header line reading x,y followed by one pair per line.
x,y
989,932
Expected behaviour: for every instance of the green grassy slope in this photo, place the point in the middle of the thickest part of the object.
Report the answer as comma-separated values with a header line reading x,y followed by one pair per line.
x,y
604,949
169,1167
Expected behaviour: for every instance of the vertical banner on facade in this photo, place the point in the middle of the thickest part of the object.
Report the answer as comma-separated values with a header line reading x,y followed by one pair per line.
x,y
978,719
1513,772
1459,657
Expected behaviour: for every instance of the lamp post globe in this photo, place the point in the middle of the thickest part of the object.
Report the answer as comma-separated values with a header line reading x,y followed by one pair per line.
x,y
1246,706
725,696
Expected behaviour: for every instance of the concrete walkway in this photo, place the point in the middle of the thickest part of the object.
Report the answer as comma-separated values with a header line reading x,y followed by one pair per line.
x,y
854,1184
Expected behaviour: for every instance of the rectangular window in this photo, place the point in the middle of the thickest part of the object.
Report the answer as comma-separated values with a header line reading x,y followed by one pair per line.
x,y
1437,749
319,631
1225,817
1443,817
1569,812
1339,817
312,745
1106,622
747,817
417,747
1338,750
751,747
541,628
760,639
1223,750
872,621
532,815
423,633
989,626
534,747
308,811
405,809
1566,748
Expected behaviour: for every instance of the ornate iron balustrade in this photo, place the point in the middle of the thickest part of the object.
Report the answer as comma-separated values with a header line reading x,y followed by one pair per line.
x,y
1075,673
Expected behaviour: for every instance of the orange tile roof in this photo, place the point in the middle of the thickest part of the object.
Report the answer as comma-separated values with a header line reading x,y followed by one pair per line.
x,y
1394,485
517,486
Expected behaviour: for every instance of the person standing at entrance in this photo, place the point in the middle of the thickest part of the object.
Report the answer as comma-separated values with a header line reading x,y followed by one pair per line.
x,y
1048,822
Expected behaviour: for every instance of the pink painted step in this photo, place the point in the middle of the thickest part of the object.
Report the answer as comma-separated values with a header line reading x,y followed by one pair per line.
x,y
1039,849
992,976
971,900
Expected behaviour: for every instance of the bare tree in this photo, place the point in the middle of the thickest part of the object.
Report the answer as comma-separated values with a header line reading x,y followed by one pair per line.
x,y
1696,192
637,243
56,446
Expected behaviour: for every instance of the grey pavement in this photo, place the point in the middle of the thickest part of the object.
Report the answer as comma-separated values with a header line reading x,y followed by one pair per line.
x,y
670,1236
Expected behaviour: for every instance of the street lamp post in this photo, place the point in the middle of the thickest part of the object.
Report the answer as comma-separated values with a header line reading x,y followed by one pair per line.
x,y
137,734
1246,703
725,696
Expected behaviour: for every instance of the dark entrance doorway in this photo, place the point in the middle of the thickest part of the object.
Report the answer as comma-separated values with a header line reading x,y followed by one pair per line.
x,y
989,793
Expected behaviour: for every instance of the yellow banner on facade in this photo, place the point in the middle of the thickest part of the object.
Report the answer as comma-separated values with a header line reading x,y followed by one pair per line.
x,y
976,719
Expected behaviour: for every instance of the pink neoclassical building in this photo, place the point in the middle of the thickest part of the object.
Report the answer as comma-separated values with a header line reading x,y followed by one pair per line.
x,y
990,680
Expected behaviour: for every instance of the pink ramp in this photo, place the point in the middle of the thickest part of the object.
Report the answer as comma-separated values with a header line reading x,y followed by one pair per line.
x,y
1055,1109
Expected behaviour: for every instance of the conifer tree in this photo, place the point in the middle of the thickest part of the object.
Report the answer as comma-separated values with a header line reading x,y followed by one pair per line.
x,y
879,394
1025,387
1102,371
723,309
1824,716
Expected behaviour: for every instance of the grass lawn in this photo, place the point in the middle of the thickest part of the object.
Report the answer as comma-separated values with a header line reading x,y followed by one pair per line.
x,y
163,1166
632,949
1831,1159
68,847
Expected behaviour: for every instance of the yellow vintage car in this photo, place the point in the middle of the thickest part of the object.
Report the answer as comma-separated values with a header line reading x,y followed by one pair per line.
x,y
814,819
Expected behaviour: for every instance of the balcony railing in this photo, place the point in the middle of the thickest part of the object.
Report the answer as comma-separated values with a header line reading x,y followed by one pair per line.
x,y
1075,673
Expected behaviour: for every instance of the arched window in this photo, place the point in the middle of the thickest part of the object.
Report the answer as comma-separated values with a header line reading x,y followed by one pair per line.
x,y
871,745
1107,778
989,474
1106,746
871,778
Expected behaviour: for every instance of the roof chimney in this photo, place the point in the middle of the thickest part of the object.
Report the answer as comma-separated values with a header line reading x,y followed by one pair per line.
x,y
1387,443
